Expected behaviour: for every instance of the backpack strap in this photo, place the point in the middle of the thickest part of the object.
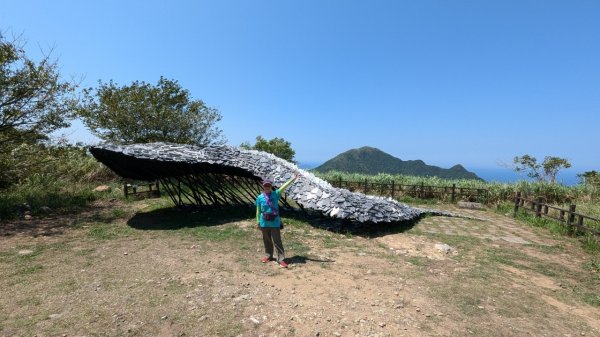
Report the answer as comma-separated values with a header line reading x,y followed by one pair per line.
x,y
270,204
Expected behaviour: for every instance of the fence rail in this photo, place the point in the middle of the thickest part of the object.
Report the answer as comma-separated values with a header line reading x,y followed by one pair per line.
x,y
421,191
573,220
141,190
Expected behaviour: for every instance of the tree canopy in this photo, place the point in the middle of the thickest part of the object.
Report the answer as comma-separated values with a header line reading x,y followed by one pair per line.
x,y
546,171
590,178
277,146
33,99
143,113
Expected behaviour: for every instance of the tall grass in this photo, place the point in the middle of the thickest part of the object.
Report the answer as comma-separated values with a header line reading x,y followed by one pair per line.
x,y
64,183
498,192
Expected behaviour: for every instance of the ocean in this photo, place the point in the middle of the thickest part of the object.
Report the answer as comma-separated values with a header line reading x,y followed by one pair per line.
x,y
505,175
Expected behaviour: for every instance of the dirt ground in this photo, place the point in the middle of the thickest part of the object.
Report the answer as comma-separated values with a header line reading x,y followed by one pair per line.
x,y
139,269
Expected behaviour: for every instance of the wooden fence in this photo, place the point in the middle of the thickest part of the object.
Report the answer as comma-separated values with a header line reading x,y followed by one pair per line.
x,y
421,191
141,190
573,220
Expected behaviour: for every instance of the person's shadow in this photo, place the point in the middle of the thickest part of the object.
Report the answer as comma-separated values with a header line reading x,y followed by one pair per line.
x,y
299,259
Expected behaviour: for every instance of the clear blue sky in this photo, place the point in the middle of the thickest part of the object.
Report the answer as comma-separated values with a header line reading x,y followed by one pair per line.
x,y
470,82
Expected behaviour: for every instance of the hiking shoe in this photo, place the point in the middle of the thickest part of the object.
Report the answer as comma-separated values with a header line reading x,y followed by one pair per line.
x,y
265,259
282,264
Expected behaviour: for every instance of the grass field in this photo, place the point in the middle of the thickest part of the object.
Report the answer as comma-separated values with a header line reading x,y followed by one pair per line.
x,y
141,268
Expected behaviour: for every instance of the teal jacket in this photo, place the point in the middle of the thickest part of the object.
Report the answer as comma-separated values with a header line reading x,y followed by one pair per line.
x,y
262,206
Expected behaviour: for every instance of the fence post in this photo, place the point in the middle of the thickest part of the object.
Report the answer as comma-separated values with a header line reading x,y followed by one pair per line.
x,y
393,187
453,195
538,207
366,186
422,193
157,189
340,184
517,202
571,218
125,190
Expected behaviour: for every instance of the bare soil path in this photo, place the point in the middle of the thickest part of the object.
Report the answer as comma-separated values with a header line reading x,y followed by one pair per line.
x,y
139,269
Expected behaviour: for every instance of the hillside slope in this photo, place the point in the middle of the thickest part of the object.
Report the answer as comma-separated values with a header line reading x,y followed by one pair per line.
x,y
370,160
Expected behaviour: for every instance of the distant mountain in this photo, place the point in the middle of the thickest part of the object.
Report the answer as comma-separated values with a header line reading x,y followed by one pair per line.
x,y
369,160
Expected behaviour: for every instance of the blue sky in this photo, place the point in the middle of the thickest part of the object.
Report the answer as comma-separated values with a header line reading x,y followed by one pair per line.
x,y
470,82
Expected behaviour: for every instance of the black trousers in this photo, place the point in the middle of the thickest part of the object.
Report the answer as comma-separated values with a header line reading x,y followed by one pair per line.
x,y
272,237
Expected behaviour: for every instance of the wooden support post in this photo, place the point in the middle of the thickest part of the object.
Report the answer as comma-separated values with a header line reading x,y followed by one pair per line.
x,y
125,190
538,207
517,203
366,186
393,188
179,191
561,215
168,185
340,183
453,195
532,205
422,192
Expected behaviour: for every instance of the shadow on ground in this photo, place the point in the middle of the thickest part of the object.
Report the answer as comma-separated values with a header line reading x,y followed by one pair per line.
x,y
299,259
174,218
55,223
368,229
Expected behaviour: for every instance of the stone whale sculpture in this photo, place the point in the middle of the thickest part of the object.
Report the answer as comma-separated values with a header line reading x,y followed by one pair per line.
x,y
224,174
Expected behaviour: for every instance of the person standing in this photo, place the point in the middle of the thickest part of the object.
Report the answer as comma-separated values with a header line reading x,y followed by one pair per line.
x,y
269,221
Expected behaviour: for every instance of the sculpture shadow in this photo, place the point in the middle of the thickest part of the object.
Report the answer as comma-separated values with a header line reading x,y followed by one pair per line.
x,y
368,229
382,229
174,218
300,259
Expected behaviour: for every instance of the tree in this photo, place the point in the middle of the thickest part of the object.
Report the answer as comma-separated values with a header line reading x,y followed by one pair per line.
x,y
34,101
143,113
590,178
277,146
546,171
552,165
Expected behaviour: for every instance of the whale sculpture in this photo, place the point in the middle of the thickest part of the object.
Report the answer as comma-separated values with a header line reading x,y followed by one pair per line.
x,y
221,175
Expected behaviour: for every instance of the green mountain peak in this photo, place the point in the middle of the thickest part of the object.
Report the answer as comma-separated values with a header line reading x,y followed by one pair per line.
x,y
370,160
